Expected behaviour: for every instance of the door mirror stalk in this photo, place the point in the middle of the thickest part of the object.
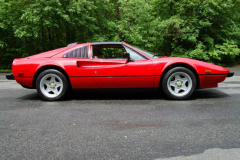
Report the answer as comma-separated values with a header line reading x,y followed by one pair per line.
x,y
127,56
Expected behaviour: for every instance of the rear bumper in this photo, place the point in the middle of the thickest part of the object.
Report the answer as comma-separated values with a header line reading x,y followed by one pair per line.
x,y
230,74
10,77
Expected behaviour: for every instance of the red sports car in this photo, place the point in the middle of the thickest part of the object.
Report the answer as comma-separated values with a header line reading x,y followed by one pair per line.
x,y
99,65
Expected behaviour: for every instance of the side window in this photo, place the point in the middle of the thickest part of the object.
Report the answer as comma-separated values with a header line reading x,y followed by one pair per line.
x,y
81,52
114,52
134,55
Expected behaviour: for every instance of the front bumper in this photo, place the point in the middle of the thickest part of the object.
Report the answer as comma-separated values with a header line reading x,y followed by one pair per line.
x,y
230,74
10,77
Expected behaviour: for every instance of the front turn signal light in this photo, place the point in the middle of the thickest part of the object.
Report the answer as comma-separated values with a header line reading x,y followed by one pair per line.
x,y
208,71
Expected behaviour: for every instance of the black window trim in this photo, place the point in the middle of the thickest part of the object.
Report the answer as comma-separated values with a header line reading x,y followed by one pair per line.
x,y
105,43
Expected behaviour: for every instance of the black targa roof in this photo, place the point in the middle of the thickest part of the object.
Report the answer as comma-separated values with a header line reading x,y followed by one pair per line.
x,y
105,43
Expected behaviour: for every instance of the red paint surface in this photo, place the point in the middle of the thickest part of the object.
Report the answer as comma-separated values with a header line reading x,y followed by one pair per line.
x,y
122,74
24,81
210,81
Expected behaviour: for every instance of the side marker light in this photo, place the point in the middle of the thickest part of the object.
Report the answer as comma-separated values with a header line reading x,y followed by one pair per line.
x,y
20,74
208,71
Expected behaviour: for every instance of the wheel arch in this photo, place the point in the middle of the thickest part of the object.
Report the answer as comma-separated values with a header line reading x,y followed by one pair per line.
x,y
181,65
43,68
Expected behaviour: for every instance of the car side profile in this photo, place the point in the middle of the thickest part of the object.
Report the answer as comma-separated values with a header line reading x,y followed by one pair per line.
x,y
100,65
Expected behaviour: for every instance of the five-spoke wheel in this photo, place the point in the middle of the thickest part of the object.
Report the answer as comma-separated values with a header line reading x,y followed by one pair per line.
x,y
179,83
52,85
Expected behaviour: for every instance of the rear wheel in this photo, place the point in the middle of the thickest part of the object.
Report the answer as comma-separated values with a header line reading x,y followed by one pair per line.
x,y
179,83
52,85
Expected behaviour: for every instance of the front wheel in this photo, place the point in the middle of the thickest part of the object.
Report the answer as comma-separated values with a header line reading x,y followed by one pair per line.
x,y
179,83
52,85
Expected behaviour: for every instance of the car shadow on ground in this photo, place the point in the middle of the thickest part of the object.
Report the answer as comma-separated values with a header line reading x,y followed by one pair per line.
x,y
32,96
116,95
139,95
129,95
210,93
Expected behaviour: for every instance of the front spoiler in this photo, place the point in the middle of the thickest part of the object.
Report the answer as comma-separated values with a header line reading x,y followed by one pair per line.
x,y
10,77
230,74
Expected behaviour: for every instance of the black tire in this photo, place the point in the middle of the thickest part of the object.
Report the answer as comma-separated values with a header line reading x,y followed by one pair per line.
x,y
61,91
185,86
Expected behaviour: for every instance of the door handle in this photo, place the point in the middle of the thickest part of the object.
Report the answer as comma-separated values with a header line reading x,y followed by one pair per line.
x,y
78,64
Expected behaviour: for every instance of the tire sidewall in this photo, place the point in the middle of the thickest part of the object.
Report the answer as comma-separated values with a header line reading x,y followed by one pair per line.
x,y
179,69
64,81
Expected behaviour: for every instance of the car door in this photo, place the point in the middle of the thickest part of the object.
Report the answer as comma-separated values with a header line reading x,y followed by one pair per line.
x,y
112,73
77,66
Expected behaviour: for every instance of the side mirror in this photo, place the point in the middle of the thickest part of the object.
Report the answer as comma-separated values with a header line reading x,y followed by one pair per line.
x,y
127,56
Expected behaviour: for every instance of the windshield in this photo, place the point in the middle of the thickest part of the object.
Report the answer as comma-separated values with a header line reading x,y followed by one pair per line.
x,y
148,53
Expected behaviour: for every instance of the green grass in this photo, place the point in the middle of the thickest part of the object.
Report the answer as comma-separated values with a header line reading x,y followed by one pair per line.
x,y
5,70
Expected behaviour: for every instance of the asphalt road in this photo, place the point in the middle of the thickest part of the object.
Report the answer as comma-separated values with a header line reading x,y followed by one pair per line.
x,y
120,125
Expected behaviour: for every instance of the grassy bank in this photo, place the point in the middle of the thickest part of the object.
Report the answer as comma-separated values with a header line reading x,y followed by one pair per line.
x,y
5,70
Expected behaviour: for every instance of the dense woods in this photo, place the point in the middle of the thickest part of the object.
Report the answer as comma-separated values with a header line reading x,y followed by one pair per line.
x,y
207,30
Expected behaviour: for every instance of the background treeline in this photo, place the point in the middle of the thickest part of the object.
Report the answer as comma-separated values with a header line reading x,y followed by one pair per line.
x,y
207,30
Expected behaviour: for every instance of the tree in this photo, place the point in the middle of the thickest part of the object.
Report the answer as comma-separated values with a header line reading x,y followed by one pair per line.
x,y
202,29
207,30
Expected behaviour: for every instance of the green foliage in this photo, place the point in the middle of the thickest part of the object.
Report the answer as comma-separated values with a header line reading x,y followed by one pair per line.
x,y
137,23
5,70
202,29
207,30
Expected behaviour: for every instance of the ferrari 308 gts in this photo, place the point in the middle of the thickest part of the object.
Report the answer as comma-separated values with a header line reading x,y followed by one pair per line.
x,y
100,65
